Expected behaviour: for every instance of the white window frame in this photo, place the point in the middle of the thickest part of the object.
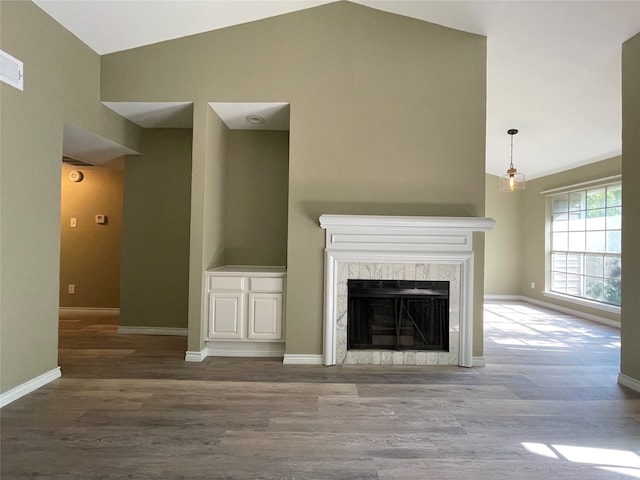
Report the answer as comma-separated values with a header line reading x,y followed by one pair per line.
x,y
580,300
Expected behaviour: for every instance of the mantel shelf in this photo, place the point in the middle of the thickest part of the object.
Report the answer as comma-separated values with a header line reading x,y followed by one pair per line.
x,y
470,224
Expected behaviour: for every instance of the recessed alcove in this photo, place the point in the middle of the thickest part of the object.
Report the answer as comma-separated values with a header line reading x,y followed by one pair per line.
x,y
256,181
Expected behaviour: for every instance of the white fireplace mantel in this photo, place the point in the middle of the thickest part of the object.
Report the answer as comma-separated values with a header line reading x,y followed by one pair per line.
x,y
375,241
375,232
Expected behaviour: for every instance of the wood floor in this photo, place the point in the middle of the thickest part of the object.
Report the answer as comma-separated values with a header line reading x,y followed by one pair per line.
x,y
546,406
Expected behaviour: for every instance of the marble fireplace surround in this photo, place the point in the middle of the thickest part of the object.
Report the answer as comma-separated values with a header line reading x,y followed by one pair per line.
x,y
400,248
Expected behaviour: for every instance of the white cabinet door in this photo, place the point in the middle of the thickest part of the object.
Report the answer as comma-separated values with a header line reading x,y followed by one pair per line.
x,y
226,315
265,316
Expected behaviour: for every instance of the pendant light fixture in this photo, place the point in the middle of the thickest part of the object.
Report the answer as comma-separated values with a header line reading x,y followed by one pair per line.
x,y
512,180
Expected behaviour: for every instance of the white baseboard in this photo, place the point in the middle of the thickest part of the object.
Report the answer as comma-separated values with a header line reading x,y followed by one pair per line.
x,y
629,382
90,310
126,330
553,306
601,307
575,313
488,297
195,356
245,349
301,359
28,387
478,362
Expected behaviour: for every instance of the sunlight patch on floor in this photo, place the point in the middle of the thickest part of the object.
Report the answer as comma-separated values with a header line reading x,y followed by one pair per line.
x,y
631,472
540,449
598,456
624,462
519,327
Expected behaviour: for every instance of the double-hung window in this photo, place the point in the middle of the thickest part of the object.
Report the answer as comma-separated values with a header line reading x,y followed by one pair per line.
x,y
586,228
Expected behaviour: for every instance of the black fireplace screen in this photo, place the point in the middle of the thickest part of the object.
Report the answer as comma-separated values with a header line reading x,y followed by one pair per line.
x,y
398,315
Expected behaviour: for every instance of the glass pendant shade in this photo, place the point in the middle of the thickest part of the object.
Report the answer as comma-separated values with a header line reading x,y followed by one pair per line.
x,y
512,180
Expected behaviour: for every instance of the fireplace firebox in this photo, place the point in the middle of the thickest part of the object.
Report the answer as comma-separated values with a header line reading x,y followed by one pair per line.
x,y
398,315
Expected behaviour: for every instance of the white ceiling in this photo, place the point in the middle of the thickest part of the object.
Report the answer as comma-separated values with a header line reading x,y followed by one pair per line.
x,y
236,116
553,67
155,114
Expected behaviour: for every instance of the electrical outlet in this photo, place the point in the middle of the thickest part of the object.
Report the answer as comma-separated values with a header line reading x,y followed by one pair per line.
x,y
533,285
71,289
73,223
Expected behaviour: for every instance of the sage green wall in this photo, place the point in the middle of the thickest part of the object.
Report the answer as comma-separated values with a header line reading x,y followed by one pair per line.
x,y
208,210
154,287
379,103
630,328
503,244
258,180
90,252
478,294
535,225
216,191
61,85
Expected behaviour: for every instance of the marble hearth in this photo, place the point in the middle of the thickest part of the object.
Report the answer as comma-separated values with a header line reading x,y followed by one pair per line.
x,y
400,248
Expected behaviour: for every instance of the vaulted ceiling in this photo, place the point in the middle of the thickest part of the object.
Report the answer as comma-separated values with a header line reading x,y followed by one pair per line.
x,y
553,67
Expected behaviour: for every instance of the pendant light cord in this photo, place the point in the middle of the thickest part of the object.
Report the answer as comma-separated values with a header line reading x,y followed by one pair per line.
x,y
511,164
512,132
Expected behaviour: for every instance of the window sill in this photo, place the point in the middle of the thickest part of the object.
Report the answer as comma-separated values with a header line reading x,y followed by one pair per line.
x,y
583,302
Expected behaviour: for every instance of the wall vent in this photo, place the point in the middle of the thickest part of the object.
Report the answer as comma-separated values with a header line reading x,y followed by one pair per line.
x,y
11,70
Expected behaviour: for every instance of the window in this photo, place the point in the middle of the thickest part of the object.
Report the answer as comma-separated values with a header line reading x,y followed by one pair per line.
x,y
586,243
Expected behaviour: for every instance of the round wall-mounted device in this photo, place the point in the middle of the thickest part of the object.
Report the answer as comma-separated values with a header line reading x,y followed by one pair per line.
x,y
76,176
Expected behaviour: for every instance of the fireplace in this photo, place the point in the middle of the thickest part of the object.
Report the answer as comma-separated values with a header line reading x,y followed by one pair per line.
x,y
381,248
398,315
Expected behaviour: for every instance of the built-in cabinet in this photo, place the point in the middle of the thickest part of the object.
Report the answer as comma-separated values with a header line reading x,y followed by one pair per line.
x,y
244,311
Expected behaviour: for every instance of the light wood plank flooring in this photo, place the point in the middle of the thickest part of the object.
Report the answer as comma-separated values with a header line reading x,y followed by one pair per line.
x,y
546,406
